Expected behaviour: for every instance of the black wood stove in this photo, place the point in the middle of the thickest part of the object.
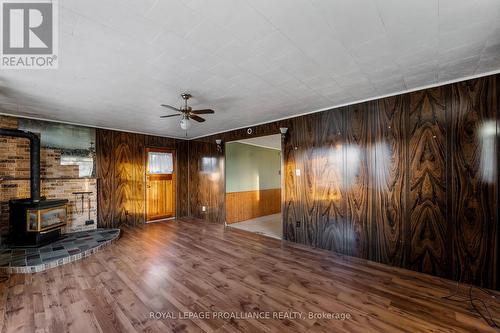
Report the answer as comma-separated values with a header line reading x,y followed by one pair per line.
x,y
34,221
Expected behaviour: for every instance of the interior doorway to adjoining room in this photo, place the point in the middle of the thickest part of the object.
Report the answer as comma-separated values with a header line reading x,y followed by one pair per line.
x,y
253,185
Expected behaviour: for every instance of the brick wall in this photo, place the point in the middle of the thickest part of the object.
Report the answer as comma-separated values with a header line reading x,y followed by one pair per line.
x,y
8,122
58,181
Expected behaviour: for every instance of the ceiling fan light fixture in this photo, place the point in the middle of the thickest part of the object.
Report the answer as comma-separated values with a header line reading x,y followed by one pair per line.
x,y
185,123
187,113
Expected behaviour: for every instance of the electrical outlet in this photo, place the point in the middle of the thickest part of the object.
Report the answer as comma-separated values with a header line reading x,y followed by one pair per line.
x,y
297,224
203,208
89,222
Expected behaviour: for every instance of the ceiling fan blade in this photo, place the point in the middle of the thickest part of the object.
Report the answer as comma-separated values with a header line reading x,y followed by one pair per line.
x,y
204,111
196,118
170,115
171,107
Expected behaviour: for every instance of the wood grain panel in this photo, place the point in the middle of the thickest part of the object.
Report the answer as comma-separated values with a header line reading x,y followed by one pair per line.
x,y
182,186
124,178
427,198
246,205
194,184
206,172
138,181
496,271
474,182
297,203
293,223
324,175
387,167
357,181
239,134
105,173
290,195
160,142
218,198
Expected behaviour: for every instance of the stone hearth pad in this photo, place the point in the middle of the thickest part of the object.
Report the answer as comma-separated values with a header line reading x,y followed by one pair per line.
x,y
72,247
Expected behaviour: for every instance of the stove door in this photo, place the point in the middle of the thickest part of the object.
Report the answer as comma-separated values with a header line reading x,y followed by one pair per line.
x,y
46,219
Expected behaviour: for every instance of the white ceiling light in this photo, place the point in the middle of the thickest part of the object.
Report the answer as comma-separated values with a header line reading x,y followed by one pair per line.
x,y
185,123
187,113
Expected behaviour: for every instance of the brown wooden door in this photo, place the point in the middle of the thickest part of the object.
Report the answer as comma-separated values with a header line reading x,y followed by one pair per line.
x,y
160,183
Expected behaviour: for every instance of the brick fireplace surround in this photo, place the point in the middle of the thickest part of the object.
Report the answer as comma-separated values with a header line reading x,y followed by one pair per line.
x,y
57,181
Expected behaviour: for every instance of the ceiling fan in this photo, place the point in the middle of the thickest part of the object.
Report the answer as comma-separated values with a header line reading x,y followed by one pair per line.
x,y
187,113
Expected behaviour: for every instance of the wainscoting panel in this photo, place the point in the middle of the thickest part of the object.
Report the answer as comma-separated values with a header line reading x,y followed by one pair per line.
x,y
246,205
408,180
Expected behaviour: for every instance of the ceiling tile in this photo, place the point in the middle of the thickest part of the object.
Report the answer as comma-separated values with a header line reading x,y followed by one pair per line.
x,y
250,60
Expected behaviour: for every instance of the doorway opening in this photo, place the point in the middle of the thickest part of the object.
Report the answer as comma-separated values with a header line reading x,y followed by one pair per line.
x,y
160,184
253,185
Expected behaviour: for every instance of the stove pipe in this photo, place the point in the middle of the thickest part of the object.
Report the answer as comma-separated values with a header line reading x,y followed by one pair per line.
x,y
34,158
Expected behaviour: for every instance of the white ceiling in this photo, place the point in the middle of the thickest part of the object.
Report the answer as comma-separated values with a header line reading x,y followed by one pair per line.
x,y
268,141
251,60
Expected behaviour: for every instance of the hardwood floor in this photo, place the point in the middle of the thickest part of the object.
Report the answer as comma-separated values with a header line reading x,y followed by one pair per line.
x,y
191,266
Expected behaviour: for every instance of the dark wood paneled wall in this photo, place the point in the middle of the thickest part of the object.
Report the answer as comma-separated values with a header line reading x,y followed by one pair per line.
x,y
206,173
409,180
121,175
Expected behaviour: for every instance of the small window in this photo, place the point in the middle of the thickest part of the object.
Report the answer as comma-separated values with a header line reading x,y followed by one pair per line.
x,y
160,163
208,164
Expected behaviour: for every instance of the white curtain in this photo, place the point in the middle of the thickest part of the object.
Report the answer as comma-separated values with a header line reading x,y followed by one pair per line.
x,y
160,163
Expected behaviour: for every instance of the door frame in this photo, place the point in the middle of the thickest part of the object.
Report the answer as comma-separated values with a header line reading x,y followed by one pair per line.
x,y
282,176
173,151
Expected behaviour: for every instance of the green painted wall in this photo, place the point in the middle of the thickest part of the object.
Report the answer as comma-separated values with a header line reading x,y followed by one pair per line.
x,y
251,168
